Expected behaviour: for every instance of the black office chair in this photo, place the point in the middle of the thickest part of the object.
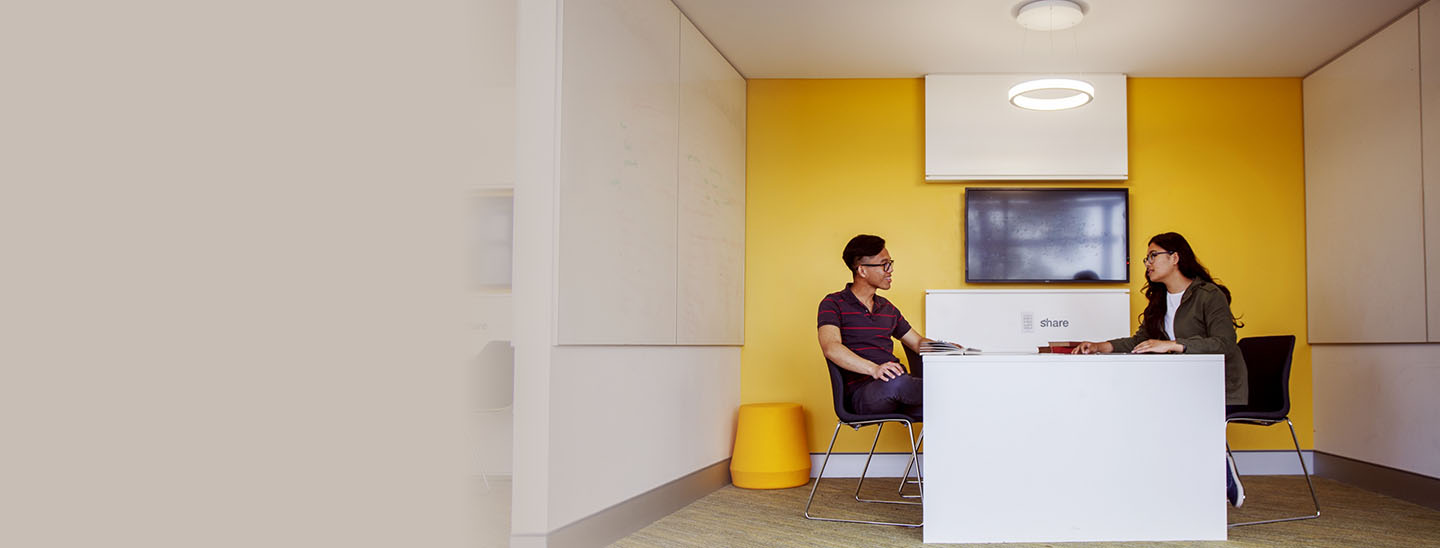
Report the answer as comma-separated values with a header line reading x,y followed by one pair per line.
x,y
846,417
1268,362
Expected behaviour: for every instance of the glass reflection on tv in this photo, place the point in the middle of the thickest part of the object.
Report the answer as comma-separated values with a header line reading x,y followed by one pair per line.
x,y
1046,235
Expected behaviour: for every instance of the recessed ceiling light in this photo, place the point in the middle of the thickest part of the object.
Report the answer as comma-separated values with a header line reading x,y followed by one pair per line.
x,y
1050,15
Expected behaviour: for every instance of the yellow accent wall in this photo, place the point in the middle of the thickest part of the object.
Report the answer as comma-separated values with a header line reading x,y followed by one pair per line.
x,y
1218,160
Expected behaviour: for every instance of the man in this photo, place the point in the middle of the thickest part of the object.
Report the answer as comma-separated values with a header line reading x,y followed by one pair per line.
x,y
855,327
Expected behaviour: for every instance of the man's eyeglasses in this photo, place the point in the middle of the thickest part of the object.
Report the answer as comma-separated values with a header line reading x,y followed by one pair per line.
x,y
1150,257
887,266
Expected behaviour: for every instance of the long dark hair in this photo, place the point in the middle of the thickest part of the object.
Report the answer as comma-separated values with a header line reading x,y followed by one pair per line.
x,y
1153,318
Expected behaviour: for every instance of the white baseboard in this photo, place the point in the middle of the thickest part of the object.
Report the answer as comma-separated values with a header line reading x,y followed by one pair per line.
x,y
1273,463
849,465
630,515
889,465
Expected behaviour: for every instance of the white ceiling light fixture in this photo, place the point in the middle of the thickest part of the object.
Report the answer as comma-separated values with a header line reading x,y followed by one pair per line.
x,y
1050,15
1051,93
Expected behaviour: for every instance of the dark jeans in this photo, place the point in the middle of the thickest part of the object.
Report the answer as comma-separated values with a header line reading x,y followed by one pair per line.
x,y
898,395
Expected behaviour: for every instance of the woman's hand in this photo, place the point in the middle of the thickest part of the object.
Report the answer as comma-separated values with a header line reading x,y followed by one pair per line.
x,y
1157,346
1093,347
887,371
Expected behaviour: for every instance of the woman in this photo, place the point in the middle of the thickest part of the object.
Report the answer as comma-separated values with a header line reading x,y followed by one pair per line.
x,y
1187,312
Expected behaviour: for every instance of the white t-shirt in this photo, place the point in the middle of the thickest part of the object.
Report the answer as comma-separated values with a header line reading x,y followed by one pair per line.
x,y
1172,303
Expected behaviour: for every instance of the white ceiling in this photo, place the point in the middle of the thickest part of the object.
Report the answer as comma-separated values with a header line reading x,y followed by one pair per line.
x,y
1141,38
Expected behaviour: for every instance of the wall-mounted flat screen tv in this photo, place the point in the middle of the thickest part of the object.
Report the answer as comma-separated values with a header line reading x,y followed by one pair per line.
x,y
1047,235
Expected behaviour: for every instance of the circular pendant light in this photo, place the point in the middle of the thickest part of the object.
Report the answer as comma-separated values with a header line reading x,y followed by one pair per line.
x,y
1052,94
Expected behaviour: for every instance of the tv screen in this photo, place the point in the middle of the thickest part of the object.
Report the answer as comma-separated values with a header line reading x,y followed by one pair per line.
x,y
1046,235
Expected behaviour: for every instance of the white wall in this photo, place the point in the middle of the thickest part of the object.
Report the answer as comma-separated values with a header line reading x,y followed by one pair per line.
x,y
594,425
490,303
1373,402
1376,403
629,419
233,287
536,141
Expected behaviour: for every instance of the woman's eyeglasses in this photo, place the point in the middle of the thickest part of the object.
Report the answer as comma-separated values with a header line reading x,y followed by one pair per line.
x,y
1150,257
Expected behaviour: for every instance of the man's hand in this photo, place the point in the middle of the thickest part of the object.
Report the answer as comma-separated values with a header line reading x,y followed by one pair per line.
x,y
887,371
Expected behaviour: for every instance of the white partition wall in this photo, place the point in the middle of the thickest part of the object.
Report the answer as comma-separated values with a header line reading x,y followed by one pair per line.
x,y
1020,320
1372,194
629,235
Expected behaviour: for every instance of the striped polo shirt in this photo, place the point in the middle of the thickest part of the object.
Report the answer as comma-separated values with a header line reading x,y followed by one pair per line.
x,y
866,333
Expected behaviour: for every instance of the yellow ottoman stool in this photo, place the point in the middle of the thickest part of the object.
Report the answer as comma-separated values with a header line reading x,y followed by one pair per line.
x,y
771,447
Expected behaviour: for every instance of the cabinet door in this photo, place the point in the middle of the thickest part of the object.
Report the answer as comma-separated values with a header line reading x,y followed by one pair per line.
x,y
1430,153
1365,245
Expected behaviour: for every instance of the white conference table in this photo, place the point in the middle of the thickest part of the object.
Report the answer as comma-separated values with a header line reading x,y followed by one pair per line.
x,y
1068,448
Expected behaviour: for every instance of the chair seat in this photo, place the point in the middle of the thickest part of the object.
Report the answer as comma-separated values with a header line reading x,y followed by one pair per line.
x,y
1263,418
872,419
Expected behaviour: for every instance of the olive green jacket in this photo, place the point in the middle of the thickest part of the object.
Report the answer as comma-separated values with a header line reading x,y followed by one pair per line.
x,y
1203,325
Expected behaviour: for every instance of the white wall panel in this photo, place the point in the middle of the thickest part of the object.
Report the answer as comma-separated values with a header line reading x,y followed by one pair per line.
x,y
1376,403
710,303
1430,157
972,132
1021,320
1365,245
629,419
617,180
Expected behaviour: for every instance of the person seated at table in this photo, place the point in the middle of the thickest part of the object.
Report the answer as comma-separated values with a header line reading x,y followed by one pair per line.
x,y
855,327
1187,312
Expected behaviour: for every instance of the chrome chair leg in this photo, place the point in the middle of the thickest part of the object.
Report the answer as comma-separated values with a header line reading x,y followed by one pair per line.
x,y
868,456
905,477
907,471
915,456
1303,469
821,474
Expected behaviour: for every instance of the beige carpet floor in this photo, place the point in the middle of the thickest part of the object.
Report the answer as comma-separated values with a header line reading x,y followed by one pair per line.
x,y
734,517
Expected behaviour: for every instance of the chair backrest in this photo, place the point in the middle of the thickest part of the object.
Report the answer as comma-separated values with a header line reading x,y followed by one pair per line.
x,y
837,390
842,404
1267,360
494,376
917,364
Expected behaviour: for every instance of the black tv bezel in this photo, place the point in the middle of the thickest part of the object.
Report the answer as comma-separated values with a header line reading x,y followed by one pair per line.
x,y
965,227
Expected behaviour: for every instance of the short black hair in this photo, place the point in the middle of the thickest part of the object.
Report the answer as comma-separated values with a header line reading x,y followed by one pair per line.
x,y
864,245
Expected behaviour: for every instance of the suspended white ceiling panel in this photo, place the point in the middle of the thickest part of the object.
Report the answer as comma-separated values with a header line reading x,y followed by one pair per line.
x,y
973,133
